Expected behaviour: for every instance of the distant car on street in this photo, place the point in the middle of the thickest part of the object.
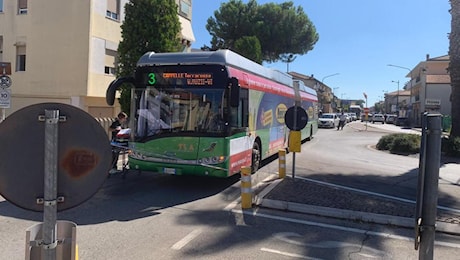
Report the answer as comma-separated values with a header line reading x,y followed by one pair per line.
x,y
347,116
390,119
402,121
378,118
353,116
365,117
328,120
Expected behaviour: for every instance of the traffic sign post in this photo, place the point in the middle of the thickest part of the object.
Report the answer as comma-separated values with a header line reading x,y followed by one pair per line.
x,y
63,162
5,83
366,115
296,119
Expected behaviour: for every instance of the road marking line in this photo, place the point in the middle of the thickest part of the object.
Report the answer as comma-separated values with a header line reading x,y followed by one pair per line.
x,y
336,227
287,254
184,241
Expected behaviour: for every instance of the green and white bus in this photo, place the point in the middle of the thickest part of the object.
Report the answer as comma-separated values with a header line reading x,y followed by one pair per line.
x,y
208,113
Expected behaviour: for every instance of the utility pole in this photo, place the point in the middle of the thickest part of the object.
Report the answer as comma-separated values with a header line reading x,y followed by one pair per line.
x,y
397,97
333,100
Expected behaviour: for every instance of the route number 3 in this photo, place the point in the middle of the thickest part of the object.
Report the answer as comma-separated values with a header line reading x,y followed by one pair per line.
x,y
152,80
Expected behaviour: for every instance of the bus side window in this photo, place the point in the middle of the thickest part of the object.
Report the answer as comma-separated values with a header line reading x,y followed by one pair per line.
x,y
240,115
244,102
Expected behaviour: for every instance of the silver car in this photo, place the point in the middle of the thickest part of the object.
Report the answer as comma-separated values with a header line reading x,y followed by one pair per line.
x,y
328,120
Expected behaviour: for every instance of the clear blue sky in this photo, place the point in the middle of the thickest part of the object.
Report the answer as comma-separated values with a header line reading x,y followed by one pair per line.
x,y
358,38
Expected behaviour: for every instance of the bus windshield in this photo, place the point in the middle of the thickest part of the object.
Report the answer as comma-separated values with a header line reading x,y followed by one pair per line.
x,y
165,109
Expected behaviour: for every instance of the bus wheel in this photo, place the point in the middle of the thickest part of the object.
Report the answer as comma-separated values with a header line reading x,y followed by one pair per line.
x,y
256,158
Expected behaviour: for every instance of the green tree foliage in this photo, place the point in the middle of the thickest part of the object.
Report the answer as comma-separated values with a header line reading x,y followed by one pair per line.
x,y
249,47
149,25
280,28
454,67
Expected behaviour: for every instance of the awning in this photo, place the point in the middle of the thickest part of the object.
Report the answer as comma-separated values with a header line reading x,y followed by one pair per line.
x,y
187,31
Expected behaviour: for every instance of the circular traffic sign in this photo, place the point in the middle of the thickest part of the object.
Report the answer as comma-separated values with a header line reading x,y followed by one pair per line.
x,y
84,156
296,118
5,81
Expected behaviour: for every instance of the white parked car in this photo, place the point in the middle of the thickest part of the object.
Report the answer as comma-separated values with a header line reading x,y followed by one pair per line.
x,y
353,116
328,120
378,118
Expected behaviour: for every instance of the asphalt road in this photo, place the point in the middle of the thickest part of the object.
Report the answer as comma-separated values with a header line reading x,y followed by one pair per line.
x,y
151,216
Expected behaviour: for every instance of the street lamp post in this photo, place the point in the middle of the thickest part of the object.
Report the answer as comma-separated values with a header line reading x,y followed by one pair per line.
x,y
288,59
397,97
410,87
385,110
333,98
322,81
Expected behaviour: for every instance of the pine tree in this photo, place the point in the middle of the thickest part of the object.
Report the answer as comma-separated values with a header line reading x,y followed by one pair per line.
x,y
149,25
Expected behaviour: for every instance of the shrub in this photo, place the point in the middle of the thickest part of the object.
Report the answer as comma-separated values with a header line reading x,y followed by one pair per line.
x,y
451,146
385,142
400,143
406,144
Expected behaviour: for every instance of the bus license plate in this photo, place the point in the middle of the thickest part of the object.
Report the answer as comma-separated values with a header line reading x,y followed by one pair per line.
x,y
169,170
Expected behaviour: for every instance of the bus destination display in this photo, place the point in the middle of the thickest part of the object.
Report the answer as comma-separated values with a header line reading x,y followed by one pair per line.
x,y
191,79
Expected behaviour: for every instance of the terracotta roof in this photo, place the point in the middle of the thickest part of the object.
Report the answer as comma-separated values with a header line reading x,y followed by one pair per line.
x,y
401,93
440,58
298,75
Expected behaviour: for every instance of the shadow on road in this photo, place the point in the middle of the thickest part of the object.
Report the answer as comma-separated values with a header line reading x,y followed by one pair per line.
x,y
137,196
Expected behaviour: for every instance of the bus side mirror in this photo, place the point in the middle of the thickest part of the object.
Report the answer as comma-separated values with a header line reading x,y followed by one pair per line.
x,y
114,86
234,92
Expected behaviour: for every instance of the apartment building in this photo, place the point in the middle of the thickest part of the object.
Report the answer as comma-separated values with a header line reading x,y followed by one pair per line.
x,y
64,51
429,88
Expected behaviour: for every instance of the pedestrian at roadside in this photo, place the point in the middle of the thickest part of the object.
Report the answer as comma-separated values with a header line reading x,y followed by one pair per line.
x,y
342,120
115,127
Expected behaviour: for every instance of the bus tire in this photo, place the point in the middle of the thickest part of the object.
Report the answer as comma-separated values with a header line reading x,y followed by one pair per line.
x,y
256,157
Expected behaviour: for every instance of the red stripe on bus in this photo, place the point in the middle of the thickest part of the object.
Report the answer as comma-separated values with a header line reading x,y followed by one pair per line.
x,y
252,81
239,160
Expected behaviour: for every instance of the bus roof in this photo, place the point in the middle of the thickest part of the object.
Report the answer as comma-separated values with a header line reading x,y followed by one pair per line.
x,y
221,57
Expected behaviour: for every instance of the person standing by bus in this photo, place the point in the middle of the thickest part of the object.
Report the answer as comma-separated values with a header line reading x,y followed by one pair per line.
x,y
115,127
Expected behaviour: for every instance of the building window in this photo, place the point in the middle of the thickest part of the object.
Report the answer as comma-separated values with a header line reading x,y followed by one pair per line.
x,y
113,9
184,8
110,61
21,58
22,6
1,6
109,70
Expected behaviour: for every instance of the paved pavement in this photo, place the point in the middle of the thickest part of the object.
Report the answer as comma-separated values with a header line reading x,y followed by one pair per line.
x,y
318,198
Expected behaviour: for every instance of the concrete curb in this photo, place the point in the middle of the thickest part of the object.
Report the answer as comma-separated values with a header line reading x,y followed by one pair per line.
x,y
345,214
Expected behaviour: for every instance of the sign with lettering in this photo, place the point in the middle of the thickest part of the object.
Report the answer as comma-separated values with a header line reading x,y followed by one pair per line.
x,y
433,102
5,98
185,78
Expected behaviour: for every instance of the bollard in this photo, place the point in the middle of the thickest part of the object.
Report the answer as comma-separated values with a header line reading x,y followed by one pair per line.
x,y
282,163
246,189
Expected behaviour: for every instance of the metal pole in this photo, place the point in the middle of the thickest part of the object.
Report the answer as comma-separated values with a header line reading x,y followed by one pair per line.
x,y
295,127
430,195
420,182
50,184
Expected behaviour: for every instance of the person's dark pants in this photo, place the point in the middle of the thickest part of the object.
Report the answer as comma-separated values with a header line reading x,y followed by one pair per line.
x,y
115,154
341,125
